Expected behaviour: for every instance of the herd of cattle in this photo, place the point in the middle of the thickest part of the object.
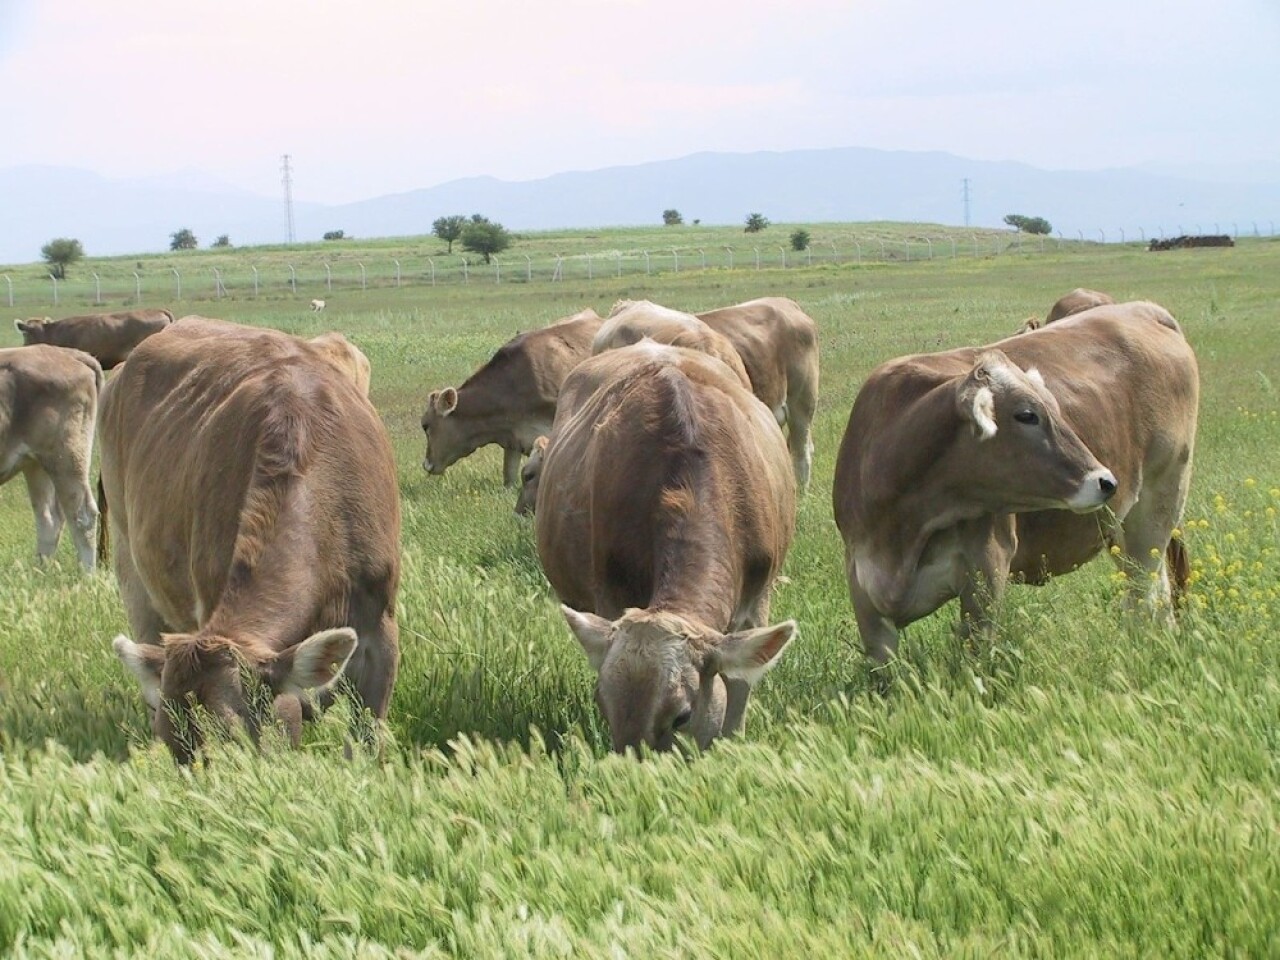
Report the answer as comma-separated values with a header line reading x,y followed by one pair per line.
x,y
249,500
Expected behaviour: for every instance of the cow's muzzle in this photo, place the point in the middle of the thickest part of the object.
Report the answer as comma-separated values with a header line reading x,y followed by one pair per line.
x,y
1098,487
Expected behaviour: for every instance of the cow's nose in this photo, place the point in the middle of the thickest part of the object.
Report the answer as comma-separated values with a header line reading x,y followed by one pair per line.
x,y
1107,483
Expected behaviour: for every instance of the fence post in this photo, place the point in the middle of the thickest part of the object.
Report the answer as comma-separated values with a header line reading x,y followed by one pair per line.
x,y
178,278
217,284
930,243
432,264
704,257
906,245
97,288
10,283
883,256
729,250
1103,234
646,263
835,254
1121,229
858,250
255,280
558,273
397,263
591,268
466,277
675,259
808,255
328,278
497,270
757,250
619,258
784,256
363,279
55,289
293,278
528,269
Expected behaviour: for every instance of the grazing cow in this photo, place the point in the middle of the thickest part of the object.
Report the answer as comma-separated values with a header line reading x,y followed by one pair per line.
x,y
778,343
527,498
960,471
108,337
666,511
347,357
509,401
632,320
251,495
317,306
48,404
1077,301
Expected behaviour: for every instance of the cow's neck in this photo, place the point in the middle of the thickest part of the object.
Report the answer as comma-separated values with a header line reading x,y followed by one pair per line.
x,y
694,572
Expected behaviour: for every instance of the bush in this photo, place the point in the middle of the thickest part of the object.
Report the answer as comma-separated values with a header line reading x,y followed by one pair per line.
x,y
223,240
800,239
1023,224
335,235
755,223
183,239
672,218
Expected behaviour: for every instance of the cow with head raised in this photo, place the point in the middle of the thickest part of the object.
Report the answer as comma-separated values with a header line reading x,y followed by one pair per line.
x,y
510,401
251,494
107,337
963,470
665,509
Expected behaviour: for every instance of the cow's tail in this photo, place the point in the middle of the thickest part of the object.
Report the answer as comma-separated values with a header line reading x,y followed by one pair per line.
x,y
1179,565
104,535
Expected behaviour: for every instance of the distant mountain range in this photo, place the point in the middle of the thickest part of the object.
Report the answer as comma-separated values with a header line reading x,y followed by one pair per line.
x,y
800,186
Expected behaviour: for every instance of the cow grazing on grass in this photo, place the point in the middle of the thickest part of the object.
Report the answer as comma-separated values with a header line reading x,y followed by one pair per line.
x,y
778,343
665,509
107,337
48,404
509,401
251,494
963,470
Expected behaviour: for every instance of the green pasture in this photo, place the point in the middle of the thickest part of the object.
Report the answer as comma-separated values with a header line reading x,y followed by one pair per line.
x,y
1078,786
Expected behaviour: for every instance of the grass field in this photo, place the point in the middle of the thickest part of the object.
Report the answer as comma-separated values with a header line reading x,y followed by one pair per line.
x,y
1078,787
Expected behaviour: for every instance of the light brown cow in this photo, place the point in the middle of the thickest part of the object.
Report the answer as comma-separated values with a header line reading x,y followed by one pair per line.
x,y
778,343
109,337
665,511
251,493
48,403
1077,301
630,321
962,470
509,401
347,357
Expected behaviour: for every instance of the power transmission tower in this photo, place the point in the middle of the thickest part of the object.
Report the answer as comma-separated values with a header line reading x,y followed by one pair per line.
x,y
965,182
286,178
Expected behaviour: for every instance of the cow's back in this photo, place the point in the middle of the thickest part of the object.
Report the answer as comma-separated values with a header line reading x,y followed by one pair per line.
x,y
108,337
633,321
39,386
212,433
527,371
778,343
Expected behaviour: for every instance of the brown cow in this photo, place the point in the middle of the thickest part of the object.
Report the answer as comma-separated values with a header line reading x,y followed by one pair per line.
x,y
48,403
778,343
509,401
630,321
347,357
666,511
109,337
962,470
1077,301
256,526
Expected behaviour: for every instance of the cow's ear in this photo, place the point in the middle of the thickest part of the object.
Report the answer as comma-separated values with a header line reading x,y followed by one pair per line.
x,y
975,401
146,662
540,444
447,401
594,633
315,662
750,654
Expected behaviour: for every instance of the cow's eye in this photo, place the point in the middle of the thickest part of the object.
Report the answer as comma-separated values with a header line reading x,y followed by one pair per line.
x,y
1029,417
682,721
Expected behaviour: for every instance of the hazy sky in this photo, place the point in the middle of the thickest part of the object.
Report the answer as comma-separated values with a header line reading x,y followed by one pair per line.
x,y
389,95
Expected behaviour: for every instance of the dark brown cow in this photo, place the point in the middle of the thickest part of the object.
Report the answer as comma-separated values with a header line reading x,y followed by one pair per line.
x,y
778,343
665,509
256,526
509,401
48,403
108,337
962,470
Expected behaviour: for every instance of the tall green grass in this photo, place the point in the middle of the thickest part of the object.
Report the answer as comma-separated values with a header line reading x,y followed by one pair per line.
x,y
1077,786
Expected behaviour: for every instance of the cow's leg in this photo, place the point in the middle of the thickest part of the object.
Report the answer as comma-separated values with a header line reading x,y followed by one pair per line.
x,y
75,496
44,504
737,692
801,403
1143,538
511,466
879,633
989,545
371,674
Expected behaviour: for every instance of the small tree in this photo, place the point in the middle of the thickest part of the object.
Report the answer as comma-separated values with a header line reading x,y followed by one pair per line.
x,y
223,240
60,254
336,234
449,229
672,218
755,223
1038,225
183,239
485,238
800,239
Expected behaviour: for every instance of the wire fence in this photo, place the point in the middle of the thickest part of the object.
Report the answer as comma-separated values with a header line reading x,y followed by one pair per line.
x,y
310,277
